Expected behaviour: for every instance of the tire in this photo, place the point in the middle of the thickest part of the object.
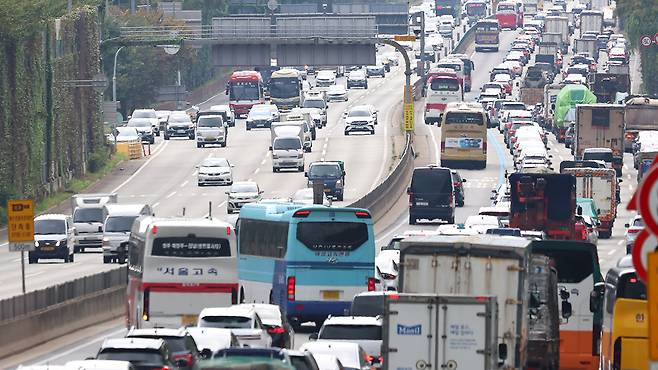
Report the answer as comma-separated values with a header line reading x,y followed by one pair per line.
x,y
347,133
199,145
224,144
32,260
248,128
229,211
166,137
152,140
300,168
412,220
372,132
451,220
76,249
82,249
340,197
107,259
70,259
274,169
157,134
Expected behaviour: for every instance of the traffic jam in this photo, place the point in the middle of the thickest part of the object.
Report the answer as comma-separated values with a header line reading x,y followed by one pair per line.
x,y
301,283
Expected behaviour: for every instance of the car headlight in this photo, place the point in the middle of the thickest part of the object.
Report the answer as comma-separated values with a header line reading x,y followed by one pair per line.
x,y
339,184
36,243
310,183
300,155
275,156
58,242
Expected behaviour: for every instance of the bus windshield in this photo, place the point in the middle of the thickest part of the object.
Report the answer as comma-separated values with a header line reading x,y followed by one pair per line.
x,y
464,118
244,90
284,87
444,84
475,9
506,8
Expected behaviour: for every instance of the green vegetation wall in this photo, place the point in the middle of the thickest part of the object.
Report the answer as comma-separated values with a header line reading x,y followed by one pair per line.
x,y
638,18
48,132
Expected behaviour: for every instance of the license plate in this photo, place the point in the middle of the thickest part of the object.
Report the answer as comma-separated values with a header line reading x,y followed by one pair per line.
x,y
330,295
181,131
188,320
210,138
47,249
422,203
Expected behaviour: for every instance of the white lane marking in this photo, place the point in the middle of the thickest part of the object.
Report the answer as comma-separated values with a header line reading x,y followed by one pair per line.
x,y
162,146
170,195
263,161
384,161
184,183
155,204
194,173
257,170
436,146
625,166
81,346
612,252
34,274
620,242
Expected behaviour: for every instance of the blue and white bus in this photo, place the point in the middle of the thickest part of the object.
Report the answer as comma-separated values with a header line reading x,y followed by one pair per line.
x,y
309,260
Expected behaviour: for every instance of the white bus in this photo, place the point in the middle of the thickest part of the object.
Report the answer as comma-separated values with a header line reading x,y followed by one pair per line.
x,y
177,267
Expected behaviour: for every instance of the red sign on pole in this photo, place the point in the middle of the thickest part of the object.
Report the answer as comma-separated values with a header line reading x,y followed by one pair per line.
x,y
645,243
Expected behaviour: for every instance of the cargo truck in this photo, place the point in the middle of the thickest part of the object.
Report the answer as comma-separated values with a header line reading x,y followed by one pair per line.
x,y
600,184
549,38
543,202
600,126
530,7
606,86
531,95
544,315
588,45
88,219
550,96
559,25
481,265
591,21
429,331
640,113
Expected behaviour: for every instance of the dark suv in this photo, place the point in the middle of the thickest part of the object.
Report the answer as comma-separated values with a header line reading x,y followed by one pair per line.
x,y
182,346
431,194
458,184
144,354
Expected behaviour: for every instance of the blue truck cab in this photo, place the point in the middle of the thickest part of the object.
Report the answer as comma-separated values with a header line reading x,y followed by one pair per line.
x,y
331,173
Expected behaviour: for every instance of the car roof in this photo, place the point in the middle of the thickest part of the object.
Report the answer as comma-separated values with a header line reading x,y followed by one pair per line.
x,y
375,293
228,311
353,320
598,150
245,182
51,216
98,365
133,343
165,332
123,209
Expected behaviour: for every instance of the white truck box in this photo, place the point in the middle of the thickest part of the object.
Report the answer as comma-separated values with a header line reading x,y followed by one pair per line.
x,y
474,265
87,211
599,184
591,20
427,331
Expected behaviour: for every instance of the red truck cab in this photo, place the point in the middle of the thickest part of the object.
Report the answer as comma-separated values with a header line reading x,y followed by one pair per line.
x,y
507,15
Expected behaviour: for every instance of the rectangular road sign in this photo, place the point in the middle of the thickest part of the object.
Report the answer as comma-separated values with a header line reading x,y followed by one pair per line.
x,y
21,247
652,303
20,217
404,37
409,116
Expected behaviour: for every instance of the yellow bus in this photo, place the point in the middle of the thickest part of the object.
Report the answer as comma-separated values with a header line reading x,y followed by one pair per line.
x,y
624,336
464,136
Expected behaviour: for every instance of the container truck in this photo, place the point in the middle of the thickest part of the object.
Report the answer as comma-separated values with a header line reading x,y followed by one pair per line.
x,y
591,21
640,113
87,210
588,46
429,331
480,265
600,126
530,7
559,25
543,202
606,86
544,315
599,184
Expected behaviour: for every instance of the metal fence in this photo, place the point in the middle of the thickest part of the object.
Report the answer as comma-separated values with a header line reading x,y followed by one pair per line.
x,y
20,305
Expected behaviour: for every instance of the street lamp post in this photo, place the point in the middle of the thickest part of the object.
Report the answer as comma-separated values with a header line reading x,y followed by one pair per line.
x,y
114,75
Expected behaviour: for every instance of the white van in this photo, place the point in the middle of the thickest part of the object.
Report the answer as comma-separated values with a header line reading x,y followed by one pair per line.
x,y
293,128
88,219
118,220
287,152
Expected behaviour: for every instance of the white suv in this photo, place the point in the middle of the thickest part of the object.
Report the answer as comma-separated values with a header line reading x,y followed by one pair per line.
x,y
243,321
364,330
54,237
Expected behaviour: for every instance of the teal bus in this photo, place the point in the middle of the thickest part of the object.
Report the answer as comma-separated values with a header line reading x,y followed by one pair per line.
x,y
309,260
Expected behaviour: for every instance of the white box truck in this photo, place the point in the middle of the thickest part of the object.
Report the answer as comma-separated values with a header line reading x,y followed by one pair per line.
x,y
88,219
428,331
475,265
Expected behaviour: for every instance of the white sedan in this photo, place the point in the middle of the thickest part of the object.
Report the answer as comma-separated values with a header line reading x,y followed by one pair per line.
x,y
215,171
337,92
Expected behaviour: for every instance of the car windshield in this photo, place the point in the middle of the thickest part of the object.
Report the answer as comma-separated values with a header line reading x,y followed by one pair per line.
x,y
88,215
244,90
638,222
225,322
179,119
215,162
139,356
325,170
139,123
353,332
118,224
314,103
368,305
209,122
358,113
444,84
602,156
244,188
126,132
45,227
284,87
144,114
300,363
175,344
292,143
428,180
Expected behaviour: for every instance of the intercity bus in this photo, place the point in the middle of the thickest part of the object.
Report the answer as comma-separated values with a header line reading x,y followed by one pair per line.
x,y
177,267
464,136
309,260
244,89
286,89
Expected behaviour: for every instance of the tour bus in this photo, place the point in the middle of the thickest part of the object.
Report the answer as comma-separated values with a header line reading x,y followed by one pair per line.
x,y
475,10
309,260
456,65
244,89
469,67
177,267
443,87
509,15
579,276
624,337
487,35
464,136
286,89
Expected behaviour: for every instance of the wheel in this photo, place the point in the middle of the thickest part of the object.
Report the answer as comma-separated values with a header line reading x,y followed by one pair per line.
x,y
460,204
412,220
82,249
157,134
199,184
152,140
32,260
76,249
248,128
224,144
366,87
347,133
451,220
307,149
229,211
199,145
190,137
313,136
300,168
372,132
107,259
70,259
274,169
166,137
340,197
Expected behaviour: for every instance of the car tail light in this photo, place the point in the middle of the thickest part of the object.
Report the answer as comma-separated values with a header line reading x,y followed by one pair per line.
x,y
633,231
362,214
411,199
443,146
291,288
276,330
302,213
187,357
161,368
484,147
145,308
371,284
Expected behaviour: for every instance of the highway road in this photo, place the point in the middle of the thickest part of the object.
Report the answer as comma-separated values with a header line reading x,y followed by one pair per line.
x,y
167,179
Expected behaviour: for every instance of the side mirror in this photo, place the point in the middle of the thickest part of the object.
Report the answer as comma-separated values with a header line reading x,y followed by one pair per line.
x,y
206,353
227,192
627,226
197,166
261,191
313,336
305,174
596,297
463,180
270,148
567,311
100,229
621,180
409,190
502,351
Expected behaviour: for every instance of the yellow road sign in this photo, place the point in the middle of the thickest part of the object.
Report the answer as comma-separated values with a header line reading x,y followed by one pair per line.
x,y
408,116
652,302
20,214
404,37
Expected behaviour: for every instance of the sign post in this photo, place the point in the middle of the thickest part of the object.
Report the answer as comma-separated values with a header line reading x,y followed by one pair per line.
x,y
20,217
408,109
